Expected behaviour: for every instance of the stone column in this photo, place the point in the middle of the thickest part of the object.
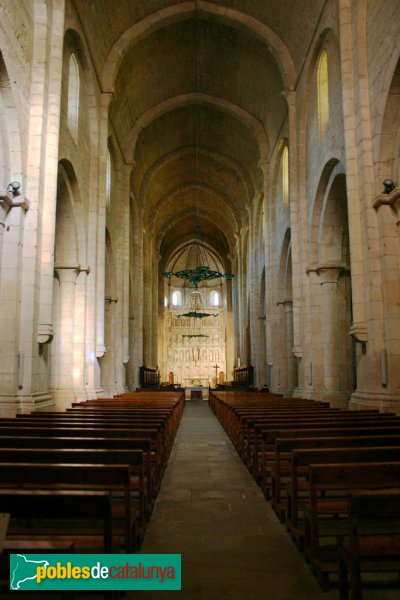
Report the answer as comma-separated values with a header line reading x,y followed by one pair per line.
x,y
280,375
295,230
291,360
269,278
12,360
155,276
81,362
237,302
386,394
329,277
65,351
40,183
147,282
353,148
137,297
48,113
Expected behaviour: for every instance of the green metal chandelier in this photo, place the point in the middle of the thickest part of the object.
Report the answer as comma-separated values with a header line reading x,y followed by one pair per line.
x,y
198,265
196,309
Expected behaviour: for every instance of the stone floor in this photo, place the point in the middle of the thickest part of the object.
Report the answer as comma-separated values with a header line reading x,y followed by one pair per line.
x,y
210,510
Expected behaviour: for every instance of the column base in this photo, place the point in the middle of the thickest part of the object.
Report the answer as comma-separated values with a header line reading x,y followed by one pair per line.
x,y
384,401
287,393
336,399
110,392
306,393
12,404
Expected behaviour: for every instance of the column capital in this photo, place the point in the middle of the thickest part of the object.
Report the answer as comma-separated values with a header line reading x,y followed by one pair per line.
x,y
290,96
45,333
77,268
286,302
359,332
331,273
106,98
391,200
8,200
263,164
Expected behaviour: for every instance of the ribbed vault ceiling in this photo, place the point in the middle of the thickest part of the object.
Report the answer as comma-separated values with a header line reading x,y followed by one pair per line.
x,y
197,102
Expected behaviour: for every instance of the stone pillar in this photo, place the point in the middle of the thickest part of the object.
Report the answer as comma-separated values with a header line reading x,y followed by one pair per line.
x,y
40,182
81,362
291,360
147,282
65,351
230,351
49,113
155,276
269,278
295,230
137,295
236,302
329,277
12,360
109,365
353,148
98,233
384,390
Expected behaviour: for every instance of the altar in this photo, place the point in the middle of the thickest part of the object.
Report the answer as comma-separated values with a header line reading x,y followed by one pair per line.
x,y
196,392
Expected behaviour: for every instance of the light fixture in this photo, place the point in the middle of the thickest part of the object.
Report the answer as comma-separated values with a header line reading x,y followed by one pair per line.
x,y
196,308
14,188
197,315
196,312
198,263
194,335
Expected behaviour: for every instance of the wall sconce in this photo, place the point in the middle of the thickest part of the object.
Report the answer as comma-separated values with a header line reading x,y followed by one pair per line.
x,y
14,188
388,186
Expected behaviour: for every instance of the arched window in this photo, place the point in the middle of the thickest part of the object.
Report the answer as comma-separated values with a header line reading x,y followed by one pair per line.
x,y
215,298
108,179
176,298
165,301
285,175
323,94
73,96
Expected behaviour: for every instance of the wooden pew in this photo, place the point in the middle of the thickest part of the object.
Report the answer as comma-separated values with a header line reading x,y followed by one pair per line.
x,y
134,458
297,488
372,543
114,478
270,436
107,433
342,420
58,505
75,429
251,427
281,464
164,442
327,479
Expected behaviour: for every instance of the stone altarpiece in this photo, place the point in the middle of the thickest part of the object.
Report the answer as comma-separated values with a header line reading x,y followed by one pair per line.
x,y
191,359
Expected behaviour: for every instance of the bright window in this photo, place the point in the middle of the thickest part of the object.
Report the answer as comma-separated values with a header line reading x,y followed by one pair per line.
x,y
323,94
108,179
285,175
73,96
176,298
215,299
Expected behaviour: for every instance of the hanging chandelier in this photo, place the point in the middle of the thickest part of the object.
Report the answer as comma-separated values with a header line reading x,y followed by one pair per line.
x,y
198,263
196,309
195,335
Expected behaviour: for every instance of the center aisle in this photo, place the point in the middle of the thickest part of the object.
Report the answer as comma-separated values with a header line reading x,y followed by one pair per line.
x,y
211,511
